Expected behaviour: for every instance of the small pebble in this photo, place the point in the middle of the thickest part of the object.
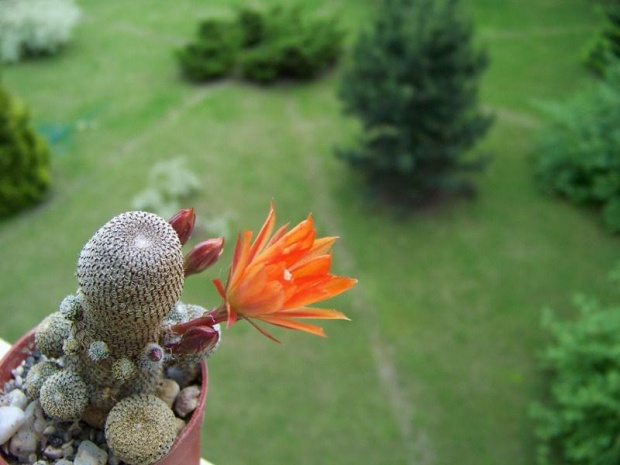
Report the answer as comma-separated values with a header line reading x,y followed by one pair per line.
x,y
41,462
89,454
187,401
17,398
11,418
63,462
18,371
19,382
180,424
53,453
168,391
24,443
49,430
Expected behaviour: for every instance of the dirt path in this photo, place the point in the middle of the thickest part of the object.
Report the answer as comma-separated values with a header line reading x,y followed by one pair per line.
x,y
415,442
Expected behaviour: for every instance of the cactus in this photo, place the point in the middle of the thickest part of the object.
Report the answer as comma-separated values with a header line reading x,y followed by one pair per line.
x,y
147,414
112,333
125,327
37,375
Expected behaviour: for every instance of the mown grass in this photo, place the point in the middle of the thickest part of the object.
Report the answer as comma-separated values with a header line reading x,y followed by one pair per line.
x,y
453,294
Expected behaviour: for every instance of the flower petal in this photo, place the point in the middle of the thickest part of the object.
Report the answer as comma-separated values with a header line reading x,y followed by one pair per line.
x,y
294,325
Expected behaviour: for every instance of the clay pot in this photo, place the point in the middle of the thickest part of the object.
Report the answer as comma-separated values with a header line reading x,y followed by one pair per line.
x,y
186,447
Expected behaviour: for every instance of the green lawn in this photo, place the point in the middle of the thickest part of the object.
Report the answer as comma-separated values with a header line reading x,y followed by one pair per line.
x,y
438,365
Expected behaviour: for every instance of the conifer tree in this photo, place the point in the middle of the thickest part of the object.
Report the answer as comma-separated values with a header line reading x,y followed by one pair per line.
x,y
413,83
24,158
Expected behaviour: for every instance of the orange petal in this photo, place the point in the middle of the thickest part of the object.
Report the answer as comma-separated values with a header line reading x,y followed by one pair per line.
x,y
317,266
262,331
220,288
312,312
294,325
240,261
334,286
264,233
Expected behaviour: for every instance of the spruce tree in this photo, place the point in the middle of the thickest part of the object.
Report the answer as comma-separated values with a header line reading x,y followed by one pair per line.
x,y
413,83
24,158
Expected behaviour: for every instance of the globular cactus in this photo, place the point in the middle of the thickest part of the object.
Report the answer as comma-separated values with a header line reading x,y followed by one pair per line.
x,y
37,375
115,336
64,396
156,425
51,335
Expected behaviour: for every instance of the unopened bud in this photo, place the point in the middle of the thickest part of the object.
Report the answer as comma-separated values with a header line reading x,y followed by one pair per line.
x,y
203,255
183,223
195,341
154,353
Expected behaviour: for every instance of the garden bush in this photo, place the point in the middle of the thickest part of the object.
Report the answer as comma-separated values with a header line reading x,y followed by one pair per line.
x,y
606,48
413,84
578,154
283,42
290,44
24,159
34,27
214,53
580,422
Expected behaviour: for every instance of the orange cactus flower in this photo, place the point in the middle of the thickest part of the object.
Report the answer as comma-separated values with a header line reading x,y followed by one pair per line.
x,y
274,278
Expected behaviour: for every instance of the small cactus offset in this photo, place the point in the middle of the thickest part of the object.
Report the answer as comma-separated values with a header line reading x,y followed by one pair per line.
x,y
112,344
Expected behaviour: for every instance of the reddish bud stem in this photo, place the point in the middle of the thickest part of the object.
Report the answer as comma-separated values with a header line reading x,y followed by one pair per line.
x,y
203,255
183,223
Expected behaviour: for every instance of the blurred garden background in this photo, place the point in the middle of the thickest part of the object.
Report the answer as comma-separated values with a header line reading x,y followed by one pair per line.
x,y
440,363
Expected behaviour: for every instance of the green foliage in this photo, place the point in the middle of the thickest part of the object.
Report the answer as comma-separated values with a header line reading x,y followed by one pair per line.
x,y
413,85
24,159
280,43
580,422
607,46
578,155
289,44
214,52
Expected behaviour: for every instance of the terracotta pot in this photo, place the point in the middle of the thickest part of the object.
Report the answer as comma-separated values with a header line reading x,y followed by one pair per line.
x,y
186,447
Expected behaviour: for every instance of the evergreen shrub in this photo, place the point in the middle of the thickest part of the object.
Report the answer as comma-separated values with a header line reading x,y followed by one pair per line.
x,y
579,423
606,48
578,154
283,42
24,159
413,84
214,53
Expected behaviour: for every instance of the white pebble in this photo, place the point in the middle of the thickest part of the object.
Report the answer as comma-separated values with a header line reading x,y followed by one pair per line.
x,y
25,440
53,453
187,401
89,454
168,391
11,418
49,430
17,399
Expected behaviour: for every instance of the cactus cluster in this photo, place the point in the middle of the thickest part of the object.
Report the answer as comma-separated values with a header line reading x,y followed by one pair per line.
x,y
112,337
124,337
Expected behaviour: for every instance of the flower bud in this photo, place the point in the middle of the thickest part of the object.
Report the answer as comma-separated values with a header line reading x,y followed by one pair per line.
x,y
154,352
183,223
203,255
195,341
